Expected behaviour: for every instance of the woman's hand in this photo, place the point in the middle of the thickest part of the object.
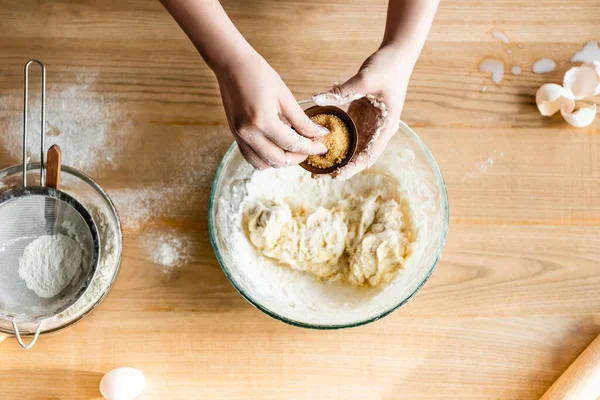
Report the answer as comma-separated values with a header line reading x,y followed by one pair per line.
x,y
257,102
376,95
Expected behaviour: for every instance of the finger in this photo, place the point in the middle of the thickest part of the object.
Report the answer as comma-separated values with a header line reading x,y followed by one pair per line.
x,y
349,91
288,140
302,124
252,158
272,154
353,86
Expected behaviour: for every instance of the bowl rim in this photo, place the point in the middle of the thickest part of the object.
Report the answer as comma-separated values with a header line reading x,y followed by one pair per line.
x,y
446,210
87,179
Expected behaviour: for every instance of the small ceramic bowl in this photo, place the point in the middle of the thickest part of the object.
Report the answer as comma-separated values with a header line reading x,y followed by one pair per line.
x,y
343,115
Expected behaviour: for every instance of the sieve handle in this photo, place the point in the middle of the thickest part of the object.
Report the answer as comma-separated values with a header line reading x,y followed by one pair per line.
x,y
42,122
53,163
35,336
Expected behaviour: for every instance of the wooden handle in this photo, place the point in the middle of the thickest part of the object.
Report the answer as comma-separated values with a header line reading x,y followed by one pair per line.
x,y
53,164
581,381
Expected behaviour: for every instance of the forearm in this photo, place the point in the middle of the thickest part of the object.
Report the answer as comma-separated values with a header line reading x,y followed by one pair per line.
x,y
210,29
408,24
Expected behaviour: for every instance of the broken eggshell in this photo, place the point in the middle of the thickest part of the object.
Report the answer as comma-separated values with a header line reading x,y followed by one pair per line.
x,y
550,98
583,116
583,81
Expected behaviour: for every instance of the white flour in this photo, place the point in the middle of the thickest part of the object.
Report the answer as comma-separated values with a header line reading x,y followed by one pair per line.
x,y
167,250
90,128
482,167
104,274
166,255
194,159
49,264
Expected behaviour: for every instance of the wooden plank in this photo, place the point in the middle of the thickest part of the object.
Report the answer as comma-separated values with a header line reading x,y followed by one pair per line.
x,y
514,300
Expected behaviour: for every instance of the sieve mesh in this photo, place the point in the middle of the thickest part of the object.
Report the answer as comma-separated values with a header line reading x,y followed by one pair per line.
x,y
26,215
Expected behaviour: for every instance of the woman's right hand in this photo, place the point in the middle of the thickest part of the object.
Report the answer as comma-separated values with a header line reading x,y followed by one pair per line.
x,y
257,103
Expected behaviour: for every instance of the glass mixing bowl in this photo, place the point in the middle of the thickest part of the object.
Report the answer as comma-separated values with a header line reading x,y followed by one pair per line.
x,y
328,305
90,194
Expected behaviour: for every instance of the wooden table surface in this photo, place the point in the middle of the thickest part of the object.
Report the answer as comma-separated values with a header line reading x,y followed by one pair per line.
x,y
514,300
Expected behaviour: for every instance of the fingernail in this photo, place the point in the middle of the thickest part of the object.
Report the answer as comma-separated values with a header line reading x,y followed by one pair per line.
x,y
322,149
322,130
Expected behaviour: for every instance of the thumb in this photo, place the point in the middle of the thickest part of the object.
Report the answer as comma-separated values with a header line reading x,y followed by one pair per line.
x,y
353,89
294,114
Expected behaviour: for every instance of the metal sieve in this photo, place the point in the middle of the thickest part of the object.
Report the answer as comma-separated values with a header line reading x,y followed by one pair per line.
x,y
29,213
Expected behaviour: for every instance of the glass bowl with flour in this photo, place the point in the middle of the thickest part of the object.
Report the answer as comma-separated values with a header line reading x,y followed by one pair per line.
x,y
330,254
93,197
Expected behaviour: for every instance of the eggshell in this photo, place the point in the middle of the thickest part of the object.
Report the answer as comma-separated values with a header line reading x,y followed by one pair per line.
x,y
551,98
583,81
122,384
583,116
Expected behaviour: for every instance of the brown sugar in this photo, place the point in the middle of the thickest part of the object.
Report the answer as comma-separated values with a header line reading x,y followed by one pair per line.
x,y
337,141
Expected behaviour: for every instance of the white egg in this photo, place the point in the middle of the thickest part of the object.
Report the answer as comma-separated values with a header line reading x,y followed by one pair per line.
x,y
550,98
122,384
583,116
583,81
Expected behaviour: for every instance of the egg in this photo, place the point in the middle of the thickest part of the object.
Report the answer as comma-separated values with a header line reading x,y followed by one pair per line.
x,y
550,98
122,384
583,116
583,81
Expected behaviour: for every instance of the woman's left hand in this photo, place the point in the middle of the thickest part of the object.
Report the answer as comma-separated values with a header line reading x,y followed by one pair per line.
x,y
376,95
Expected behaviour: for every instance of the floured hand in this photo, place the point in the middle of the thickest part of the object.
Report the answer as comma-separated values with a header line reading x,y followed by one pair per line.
x,y
376,96
256,101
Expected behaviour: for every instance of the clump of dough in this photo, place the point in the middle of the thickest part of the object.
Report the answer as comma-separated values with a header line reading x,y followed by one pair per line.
x,y
363,241
337,141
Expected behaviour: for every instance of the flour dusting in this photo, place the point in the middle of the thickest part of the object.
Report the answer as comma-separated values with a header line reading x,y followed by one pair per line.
x,y
194,159
482,168
89,126
167,250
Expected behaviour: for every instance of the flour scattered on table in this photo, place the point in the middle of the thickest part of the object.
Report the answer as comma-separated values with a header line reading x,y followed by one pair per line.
x,y
89,126
516,70
482,168
195,157
137,206
167,250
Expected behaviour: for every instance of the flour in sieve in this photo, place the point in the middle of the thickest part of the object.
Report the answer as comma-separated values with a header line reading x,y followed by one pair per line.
x,y
105,272
49,264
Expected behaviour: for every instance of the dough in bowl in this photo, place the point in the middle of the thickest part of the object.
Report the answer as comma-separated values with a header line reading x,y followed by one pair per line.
x,y
361,239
